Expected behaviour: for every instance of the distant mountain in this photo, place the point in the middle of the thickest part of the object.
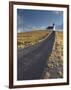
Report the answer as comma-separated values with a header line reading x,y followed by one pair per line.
x,y
59,27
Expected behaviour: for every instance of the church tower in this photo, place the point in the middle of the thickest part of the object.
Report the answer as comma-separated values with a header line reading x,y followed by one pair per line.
x,y
53,27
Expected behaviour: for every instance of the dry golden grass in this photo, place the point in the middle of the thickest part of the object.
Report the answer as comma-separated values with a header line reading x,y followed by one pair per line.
x,y
30,38
54,67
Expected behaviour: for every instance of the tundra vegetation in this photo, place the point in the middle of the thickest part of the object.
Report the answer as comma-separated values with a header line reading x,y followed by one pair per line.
x,y
54,66
25,39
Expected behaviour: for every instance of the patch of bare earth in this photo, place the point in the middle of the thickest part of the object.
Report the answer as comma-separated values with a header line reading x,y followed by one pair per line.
x,y
54,66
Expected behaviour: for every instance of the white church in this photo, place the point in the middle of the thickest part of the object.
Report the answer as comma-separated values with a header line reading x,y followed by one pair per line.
x,y
51,27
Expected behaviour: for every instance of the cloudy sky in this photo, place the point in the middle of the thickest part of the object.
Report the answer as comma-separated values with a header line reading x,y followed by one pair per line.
x,y
29,20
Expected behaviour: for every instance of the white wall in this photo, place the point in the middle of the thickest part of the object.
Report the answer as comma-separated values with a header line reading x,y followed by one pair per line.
x,y
4,46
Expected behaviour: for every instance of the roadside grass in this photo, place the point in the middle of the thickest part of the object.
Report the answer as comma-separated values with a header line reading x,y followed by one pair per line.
x,y
30,38
54,67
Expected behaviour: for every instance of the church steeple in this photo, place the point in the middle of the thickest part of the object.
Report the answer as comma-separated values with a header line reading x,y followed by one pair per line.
x,y
53,26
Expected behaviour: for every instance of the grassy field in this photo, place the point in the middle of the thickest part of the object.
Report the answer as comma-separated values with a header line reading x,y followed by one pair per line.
x,y
54,67
30,38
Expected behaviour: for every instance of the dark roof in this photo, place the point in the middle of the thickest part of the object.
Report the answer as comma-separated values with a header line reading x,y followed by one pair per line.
x,y
50,27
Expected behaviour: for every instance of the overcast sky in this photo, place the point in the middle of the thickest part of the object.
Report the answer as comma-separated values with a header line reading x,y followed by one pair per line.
x,y
28,20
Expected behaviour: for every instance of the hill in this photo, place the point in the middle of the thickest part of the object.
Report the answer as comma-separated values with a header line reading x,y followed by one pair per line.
x,y
54,66
25,39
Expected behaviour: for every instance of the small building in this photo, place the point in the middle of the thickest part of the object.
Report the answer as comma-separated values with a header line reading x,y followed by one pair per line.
x,y
51,27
